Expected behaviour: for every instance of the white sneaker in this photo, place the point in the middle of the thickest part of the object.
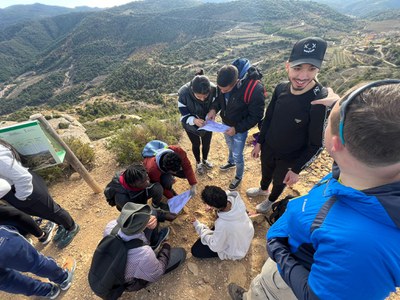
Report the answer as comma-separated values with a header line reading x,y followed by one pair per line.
x,y
264,206
254,192
200,169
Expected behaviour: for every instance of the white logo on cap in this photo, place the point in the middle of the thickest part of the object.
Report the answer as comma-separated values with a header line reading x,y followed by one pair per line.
x,y
310,47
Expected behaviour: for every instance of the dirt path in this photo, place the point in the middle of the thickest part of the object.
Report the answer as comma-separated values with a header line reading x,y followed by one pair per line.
x,y
196,279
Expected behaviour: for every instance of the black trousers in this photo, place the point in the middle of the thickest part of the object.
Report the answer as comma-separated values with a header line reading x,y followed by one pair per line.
x,y
41,204
273,170
200,250
24,223
196,141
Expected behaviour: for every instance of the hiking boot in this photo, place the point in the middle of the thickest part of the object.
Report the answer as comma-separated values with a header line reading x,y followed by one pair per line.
x,y
54,292
162,236
236,292
59,234
254,192
48,232
68,237
227,166
264,206
200,169
69,266
207,164
234,184
161,206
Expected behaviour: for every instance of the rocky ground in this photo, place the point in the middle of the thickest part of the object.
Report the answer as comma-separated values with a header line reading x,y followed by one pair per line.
x,y
196,279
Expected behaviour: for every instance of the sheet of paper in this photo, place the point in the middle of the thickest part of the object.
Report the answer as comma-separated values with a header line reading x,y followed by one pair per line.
x,y
178,202
214,126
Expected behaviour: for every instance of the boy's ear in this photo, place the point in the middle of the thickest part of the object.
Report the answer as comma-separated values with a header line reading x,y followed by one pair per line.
x,y
336,144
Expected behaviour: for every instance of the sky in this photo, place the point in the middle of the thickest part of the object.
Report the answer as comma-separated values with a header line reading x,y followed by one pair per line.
x,y
67,3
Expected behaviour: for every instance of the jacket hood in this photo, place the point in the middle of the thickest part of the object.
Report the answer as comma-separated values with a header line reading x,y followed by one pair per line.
x,y
382,204
237,208
242,64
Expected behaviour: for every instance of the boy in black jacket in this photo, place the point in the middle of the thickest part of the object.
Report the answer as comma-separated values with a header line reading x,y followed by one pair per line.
x,y
292,130
241,100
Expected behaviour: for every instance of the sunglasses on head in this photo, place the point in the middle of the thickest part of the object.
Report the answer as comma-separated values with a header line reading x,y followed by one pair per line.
x,y
345,103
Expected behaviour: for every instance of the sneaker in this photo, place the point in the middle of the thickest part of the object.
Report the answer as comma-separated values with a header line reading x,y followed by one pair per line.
x,y
68,237
161,206
234,183
200,169
264,206
54,292
227,166
69,266
48,232
254,192
59,234
170,216
162,236
207,164
236,292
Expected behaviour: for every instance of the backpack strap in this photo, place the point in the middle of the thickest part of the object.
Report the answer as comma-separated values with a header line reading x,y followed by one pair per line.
x,y
249,90
135,243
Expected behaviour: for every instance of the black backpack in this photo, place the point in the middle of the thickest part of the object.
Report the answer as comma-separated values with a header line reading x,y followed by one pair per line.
x,y
107,270
278,208
111,190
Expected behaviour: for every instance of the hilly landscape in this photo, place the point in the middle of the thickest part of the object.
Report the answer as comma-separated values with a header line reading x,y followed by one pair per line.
x,y
117,72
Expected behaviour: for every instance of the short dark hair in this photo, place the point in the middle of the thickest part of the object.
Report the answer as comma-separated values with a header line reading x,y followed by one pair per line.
x,y
372,126
227,75
201,85
135,173
171,161
214,196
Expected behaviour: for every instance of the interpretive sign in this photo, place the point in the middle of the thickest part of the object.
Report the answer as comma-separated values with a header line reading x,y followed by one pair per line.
x,y
36,145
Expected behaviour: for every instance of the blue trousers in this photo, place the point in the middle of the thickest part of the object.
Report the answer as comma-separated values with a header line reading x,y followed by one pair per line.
x,y
236,145
17,255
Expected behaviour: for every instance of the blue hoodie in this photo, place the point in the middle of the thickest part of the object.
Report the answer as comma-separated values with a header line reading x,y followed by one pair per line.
x,y
339,243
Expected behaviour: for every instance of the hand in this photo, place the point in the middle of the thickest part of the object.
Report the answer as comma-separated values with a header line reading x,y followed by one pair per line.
x,y
231,131
291,178
193,190
211,115
329,100
152,223
199,122
192,218
255,153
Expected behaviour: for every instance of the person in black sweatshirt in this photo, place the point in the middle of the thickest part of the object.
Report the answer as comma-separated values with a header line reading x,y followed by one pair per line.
x,y
292,129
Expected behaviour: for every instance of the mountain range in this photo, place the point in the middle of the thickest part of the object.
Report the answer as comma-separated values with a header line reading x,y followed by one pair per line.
x,y
147,49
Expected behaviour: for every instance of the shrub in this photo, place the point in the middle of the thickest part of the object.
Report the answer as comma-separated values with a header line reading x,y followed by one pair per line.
x,y
82,151
127,143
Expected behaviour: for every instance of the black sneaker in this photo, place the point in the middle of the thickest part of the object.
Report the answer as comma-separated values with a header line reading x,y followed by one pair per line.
x,y
227,166
59,234
48,232
162,236
236,292
234,183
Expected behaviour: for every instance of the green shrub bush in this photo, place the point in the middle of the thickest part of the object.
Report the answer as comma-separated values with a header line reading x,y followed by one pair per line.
x,y
128,142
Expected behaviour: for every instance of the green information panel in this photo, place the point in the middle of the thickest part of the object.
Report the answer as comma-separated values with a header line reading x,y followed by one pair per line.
x,y
32,141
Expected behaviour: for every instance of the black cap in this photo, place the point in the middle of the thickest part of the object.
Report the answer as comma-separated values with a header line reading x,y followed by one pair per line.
x,y
310,50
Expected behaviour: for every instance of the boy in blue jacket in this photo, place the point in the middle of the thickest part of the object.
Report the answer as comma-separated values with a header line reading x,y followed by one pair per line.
x,y
342,239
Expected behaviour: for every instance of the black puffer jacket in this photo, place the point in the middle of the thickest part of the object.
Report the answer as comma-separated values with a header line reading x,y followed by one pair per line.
x,y
235,112
189,106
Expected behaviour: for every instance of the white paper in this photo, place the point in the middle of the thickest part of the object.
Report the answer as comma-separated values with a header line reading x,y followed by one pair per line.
x,y
178,202
214,126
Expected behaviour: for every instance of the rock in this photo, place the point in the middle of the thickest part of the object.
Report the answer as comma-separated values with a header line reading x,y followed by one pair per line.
x,y
75,177
193,268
